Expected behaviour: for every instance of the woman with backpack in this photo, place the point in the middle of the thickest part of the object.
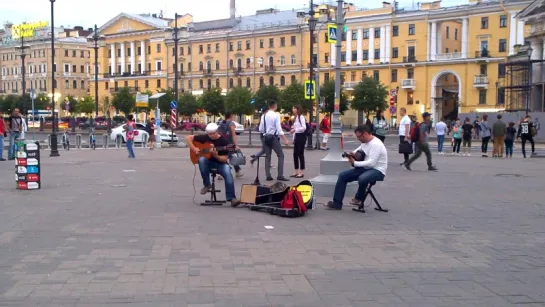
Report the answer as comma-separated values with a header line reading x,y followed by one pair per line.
x,y
380,126
456,138
299,132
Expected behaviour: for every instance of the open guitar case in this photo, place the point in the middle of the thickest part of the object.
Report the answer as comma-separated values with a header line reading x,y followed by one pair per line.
x,y
270,202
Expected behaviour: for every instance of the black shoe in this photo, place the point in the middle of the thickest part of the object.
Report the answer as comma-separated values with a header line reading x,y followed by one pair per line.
x,y
269,179
282,178
2,159
406,166
432,168
330,206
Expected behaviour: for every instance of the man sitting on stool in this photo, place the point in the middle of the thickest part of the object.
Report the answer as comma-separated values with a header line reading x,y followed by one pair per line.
x,y
219,161
373,168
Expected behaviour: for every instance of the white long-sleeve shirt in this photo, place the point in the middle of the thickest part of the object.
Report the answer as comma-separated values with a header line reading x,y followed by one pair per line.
x,y
299,125
376,156
273,124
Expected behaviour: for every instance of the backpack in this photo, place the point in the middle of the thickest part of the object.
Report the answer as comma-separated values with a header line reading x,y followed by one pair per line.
x,y
322,125
292,205
415,132
224,130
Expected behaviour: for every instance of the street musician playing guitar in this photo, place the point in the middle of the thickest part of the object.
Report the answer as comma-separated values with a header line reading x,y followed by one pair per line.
x,y
211,151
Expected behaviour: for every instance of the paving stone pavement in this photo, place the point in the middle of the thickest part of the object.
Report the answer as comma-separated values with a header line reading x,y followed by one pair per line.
x,y
106,230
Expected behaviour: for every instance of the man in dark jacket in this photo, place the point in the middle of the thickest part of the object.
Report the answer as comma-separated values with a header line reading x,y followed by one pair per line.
x,y
498,132
525,133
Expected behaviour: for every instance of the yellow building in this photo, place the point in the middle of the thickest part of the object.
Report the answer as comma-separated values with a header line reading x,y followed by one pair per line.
x,y
71,65
441,60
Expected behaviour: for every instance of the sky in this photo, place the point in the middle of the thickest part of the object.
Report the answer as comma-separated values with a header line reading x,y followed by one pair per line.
x,y
70,13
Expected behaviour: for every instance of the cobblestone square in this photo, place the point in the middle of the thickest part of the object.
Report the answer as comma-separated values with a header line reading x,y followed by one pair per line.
x,y
106,230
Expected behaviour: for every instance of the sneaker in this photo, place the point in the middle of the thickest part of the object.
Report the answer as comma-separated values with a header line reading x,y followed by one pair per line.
x,y
2,159
235,202
406,166
432,168
282,178
239,174
330,206
205,190
469,155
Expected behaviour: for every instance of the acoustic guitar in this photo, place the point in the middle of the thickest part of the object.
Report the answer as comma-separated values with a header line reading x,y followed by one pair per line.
x,y
206,150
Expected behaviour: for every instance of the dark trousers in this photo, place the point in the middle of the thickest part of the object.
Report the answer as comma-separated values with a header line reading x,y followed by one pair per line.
x,y
421,147
277,148
509,148
456,147
530,139
401,141
380,137
299,151
484,144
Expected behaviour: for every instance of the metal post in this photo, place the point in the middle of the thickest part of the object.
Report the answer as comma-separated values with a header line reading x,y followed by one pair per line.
x,y
32,96
54,150
317,90
95,38
176,39
529,93
336,123
311,68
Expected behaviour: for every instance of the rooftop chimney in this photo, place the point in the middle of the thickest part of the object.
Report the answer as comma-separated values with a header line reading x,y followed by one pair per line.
x,y
232,8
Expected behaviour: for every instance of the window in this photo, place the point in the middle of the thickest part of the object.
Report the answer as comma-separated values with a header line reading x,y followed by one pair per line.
x,y
282,42
201,84
66,84
149,49
484,22
483,69
395,31
293,79
188,50
410,73
200,49
412,29
201,66
217,83
482,97
376,75
293,40
74,84
271,42
282,81
395,53
248,82
239,82
447,30
82,54
248,44
501,70
128,51
502,45
326,76
74,68
394,75
239,45
158,48
365,54
354,35
209,84
230,46
248,63
446,50
411,52
158,83
73,53
261,44
139,51
217,47
271,80
82,69
261,82
230,82
66,68
293,59
377,32
377,53
343,56
208,48
217,64
66,53
366,33
282,60
410,97
503,21
158,65
231,63
456,34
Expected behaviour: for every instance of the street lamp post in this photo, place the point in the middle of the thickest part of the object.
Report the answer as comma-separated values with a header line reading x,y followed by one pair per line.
x,y
96,39
23,70
176,39
529,92
312,26
54,150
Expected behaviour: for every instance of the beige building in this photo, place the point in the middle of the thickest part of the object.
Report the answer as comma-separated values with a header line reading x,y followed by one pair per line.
x,y
72,63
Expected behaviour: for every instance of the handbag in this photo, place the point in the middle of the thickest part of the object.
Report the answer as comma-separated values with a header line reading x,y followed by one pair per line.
x,y
237,158
268,139
405,148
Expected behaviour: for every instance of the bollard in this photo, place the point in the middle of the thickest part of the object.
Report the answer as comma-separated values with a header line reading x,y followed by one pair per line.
x,y
41,124
78,141
192,131
250,137
118,141
49,140
105,140
73,122
145,138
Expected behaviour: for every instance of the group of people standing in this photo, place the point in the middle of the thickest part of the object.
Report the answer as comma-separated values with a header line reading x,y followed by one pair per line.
x,y
15,129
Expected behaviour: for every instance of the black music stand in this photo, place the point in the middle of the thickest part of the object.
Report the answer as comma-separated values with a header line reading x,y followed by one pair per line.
x,y
256,181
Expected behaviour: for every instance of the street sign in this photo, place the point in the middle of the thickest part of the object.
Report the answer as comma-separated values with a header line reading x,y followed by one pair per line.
x,y
173,118
393,92
345,29
173,104
142,100
32,94
310,89
332,33
392,101
252,101
393,110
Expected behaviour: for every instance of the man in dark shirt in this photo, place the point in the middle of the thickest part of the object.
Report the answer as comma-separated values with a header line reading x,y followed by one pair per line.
x,y
15,126
219,161
525,134
498,132
467,128
422,145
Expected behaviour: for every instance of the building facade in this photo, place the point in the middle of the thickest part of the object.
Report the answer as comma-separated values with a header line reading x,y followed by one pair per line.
x,y
71,66
435,59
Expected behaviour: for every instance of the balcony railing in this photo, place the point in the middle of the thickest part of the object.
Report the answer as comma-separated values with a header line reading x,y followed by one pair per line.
x,y
482,54
43,89
409,59
408,83
207,72
134,89
350,85
448,56
125,74
114,89
237,71
480,81
14,91
270,69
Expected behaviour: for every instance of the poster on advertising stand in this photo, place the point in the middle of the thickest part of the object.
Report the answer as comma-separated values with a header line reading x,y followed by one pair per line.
x,y
27,165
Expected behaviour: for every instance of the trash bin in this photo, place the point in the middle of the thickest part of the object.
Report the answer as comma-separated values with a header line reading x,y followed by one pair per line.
x,y
27,165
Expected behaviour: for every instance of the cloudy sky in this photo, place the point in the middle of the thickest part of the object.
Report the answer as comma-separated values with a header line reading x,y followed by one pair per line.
x,y
87,13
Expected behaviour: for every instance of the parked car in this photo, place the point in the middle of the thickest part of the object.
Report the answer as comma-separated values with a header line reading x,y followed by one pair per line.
x,y
118,133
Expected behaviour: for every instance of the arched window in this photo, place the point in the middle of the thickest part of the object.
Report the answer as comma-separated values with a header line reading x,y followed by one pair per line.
x,y
66,84
54,83
231,63
248,63
282,81
271,80
293,60
282,60
248,82
271,61
261,82
260,60
230,82
181,67
293,79
82,84
74,84
200,83
239,63
239,82
208,66
217,83
209,84
217,64
189,66
201,68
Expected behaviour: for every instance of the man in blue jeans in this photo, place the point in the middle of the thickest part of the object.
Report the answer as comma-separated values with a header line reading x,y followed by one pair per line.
x,y
219,160
15,126
372,168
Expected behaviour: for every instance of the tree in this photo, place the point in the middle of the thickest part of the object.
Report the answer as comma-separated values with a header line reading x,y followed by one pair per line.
x,y
212,102
87,105
294,95
327,90
73,104
41,102
106,105
369,96
188,105
265,94
239,101
165,100
124,101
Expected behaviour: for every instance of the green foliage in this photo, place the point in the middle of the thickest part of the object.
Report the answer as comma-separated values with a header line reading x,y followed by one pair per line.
x,y
41,102
164,101
212,102
73,106
369,96
327,90
104,107
188,105
124,101
7,103
265,94
238,101
294,95
86,105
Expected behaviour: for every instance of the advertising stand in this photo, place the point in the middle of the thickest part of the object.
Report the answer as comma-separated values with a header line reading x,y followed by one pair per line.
x,y
27,165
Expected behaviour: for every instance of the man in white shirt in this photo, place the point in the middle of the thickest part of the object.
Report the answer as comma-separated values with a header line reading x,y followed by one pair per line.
x,y
404,130
373,168
271,130
441,130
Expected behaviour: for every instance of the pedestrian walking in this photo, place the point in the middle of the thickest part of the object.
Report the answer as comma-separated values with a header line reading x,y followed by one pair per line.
x,y
421,140
299,133
131,132
150,129
3,134
526,133
272,132
15,127
486,133
498,133
467,128
227,130
441,129
456,138
380,126
404,131
509,140
325,127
